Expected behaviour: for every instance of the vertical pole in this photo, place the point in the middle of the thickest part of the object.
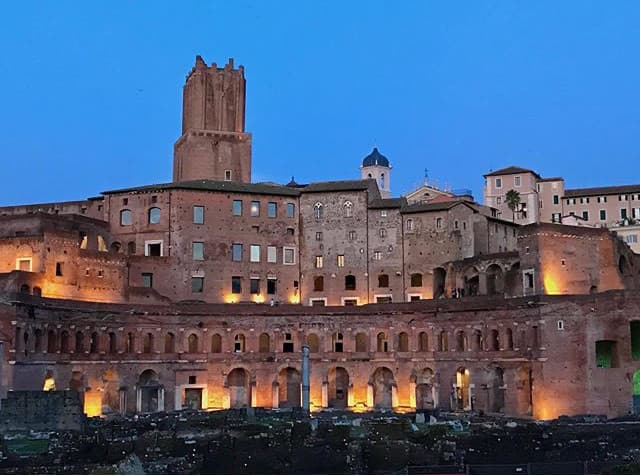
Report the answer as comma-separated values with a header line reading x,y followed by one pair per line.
x,y
305,378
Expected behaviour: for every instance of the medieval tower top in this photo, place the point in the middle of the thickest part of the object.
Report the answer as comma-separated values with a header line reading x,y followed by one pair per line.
x,y
214,144
376,166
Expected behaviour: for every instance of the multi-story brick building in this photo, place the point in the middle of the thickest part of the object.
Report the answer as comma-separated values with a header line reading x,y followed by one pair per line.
x,y
179,277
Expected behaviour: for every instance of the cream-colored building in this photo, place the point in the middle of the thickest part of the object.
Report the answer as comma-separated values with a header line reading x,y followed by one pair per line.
x,y
546,200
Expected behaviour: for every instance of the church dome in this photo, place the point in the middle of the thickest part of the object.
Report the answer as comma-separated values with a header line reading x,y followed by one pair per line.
x,y
375,158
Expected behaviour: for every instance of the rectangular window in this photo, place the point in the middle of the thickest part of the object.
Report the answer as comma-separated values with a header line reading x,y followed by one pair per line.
x,y
255,208
319,262
499,201
377,255
623,213
197,284
272,254
153,248
236,284
635,339
585,215
255,254
439,223
498,183
516,181
59,268
340,261
603,215
318,236
227,175
271,285
631,239
237,208
606,357
147,280
383,213
272,209
198,214
318,302
197,248
236,252
291,210
635,212
352,236
556,199
254,285
289,255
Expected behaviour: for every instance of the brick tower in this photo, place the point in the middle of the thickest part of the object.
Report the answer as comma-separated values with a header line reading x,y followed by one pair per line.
x,y
213,144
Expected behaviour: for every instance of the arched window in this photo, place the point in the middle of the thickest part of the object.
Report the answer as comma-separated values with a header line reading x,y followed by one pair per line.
x,y
131,248
37,291
216,343
461,341
264,343
478,341
494,341
102,244
131,343
403,342
154,215
318,211
125,217
443,342
93,344
193,344
238,343
64,342
38,346
416,280
383,280
116,247
170,343
148,343
509,345
383,345
113,343
423,342
350,282
410,224
318,283
338,342
382,232
348,209
52,344
382,181
362,342
79,342
25,289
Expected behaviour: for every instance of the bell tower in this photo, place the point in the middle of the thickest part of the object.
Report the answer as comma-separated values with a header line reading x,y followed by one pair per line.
x,y
214,144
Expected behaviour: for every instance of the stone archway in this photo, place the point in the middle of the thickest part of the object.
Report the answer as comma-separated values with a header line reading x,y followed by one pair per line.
x,y
462,391
382,381
495,280
496,382
289,390
239,388
150,395
439,283
110,392
425,390
471,281
338,387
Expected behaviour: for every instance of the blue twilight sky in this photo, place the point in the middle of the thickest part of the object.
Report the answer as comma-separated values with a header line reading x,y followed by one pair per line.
x,y
90,92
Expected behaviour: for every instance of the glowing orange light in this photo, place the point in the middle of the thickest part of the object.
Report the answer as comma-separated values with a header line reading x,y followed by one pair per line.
x,y
258,298
92,403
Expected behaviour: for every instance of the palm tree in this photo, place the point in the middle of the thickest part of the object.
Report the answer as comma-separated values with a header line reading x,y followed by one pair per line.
x,y
513,201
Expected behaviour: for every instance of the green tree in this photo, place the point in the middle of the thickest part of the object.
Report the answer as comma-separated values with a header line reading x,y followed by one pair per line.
x,y
513,201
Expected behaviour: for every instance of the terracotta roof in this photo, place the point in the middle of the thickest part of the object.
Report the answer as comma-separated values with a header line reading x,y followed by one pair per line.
x,y
435,207
512,169
382,203
214,186
340,185
613,190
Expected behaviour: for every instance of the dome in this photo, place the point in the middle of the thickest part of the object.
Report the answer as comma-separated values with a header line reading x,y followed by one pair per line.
x,y
375,158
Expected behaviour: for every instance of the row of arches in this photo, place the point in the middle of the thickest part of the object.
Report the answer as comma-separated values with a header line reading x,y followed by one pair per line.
x,y
428,389
64,341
